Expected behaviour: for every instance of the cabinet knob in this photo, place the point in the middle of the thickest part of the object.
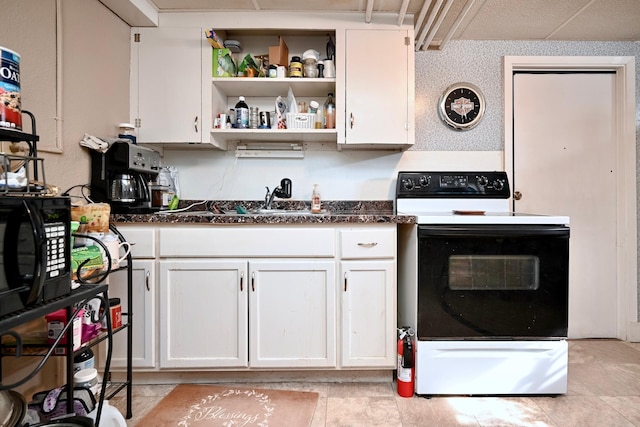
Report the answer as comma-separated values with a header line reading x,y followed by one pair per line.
x,y
195,124
353,120
147,280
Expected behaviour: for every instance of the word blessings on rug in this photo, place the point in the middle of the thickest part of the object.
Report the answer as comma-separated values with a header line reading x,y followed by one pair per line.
x,y
257,408
192,405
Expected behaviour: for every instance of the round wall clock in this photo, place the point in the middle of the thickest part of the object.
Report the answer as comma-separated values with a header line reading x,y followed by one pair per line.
x,y
461,106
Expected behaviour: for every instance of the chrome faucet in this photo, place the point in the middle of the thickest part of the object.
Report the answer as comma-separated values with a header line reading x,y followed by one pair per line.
x,y
283,191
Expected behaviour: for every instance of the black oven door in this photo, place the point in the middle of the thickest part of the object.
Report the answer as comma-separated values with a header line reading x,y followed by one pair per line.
x,y
493,281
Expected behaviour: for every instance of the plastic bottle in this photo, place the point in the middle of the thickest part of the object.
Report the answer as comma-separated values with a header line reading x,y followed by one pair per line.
x,y
242,114
316,205
329,112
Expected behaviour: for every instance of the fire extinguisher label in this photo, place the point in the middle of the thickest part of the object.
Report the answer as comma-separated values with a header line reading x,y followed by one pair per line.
x,y
404,374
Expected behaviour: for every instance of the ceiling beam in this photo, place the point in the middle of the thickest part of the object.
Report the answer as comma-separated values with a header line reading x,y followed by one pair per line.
x,y
403,11
369,12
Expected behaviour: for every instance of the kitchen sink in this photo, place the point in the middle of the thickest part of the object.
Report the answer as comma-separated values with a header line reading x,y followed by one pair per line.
x,y
188,213
280,211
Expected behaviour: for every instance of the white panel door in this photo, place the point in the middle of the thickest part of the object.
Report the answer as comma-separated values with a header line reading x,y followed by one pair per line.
x,y
169,85
292,314
564,162
378,107
368,296
203,314
143,308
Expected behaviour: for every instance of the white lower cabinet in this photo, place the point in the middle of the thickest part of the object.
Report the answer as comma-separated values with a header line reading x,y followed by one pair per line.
x,y
368,301
143,307
368,296
203,313
292,314
212,312
143,310
276,297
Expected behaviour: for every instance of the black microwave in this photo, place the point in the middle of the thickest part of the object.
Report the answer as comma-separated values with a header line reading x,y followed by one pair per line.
x,y
35,251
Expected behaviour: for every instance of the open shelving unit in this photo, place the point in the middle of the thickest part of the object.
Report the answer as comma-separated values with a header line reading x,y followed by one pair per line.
x,y
71,303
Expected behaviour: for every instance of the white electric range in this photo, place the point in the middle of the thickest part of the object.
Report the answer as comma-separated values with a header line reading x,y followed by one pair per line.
x,y
485,289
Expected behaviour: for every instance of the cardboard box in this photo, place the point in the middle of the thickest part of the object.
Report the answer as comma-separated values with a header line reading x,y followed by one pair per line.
x,y
279,55
224,64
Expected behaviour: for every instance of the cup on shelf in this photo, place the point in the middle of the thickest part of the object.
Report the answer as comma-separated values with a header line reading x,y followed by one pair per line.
x,y
114,251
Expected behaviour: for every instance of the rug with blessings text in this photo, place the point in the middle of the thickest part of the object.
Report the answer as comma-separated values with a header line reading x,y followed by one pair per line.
x,y
202,405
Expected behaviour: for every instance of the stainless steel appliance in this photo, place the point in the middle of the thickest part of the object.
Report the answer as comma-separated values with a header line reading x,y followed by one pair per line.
x,y
34,250
486,289
121,176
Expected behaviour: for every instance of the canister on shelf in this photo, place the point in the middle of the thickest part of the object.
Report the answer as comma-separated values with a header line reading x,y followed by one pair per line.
x,y
254,119
265,120
295,67
87,378
116,314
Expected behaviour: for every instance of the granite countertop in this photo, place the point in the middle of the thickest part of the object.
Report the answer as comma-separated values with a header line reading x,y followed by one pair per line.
x,y
287,212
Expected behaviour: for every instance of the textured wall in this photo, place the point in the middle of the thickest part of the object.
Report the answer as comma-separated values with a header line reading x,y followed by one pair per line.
x,y
480,63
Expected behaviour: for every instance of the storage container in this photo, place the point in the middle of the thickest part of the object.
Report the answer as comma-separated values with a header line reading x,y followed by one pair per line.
x,y
56,322
300,120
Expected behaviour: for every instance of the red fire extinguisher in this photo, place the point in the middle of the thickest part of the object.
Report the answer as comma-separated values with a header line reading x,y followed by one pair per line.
x,y
405,362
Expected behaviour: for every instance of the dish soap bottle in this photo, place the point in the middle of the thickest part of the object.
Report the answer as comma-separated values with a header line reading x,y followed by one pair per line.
x,y
316,206
242,114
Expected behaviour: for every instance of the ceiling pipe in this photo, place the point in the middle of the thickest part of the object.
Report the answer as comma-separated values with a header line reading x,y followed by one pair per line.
x,y
436,26
369,12
423,12
427,26
403,11
457,22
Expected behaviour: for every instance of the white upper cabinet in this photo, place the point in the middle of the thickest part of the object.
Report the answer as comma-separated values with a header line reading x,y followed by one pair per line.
x,y
379,89
175,97
167,103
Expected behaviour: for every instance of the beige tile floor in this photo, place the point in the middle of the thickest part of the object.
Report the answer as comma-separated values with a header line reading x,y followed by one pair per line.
x,y
604,390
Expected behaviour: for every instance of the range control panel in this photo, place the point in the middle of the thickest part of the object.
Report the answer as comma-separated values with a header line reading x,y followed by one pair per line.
x,y
488,184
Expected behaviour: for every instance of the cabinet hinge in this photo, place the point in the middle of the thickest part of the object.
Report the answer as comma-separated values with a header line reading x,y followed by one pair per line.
x,y
138,123
407,41
136,38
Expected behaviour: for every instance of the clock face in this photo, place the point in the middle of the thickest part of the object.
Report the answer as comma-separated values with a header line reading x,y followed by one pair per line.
x,y
462,106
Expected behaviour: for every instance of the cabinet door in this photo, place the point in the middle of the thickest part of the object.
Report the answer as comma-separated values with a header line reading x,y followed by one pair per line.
x,y
379,89
143,308
368,300
169,85
292,314
203,314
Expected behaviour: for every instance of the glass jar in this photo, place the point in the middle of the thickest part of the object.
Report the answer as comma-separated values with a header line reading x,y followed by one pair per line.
x,y
295,67
254,117
310,68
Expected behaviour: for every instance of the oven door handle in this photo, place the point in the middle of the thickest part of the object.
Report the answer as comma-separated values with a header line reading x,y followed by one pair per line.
x,y
526,230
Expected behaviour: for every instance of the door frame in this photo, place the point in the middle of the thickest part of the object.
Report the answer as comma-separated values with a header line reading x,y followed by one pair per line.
x,y
626,222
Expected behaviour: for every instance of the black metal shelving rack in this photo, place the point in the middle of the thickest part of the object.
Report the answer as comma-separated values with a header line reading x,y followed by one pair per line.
x,y
77,296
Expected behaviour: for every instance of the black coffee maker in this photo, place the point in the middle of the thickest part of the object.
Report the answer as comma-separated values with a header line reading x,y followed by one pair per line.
x,y
121,177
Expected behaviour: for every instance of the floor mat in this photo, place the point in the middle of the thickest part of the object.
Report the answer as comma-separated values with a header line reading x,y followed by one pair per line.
x,y
209,405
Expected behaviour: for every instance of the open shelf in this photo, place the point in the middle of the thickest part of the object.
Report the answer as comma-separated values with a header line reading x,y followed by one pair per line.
x,y
265,86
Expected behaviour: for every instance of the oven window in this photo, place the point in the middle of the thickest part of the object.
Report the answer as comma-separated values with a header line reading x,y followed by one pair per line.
x,y
494,272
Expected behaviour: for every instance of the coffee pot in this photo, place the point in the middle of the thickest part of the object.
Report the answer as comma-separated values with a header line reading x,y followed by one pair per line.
x,y
123,188
129,188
